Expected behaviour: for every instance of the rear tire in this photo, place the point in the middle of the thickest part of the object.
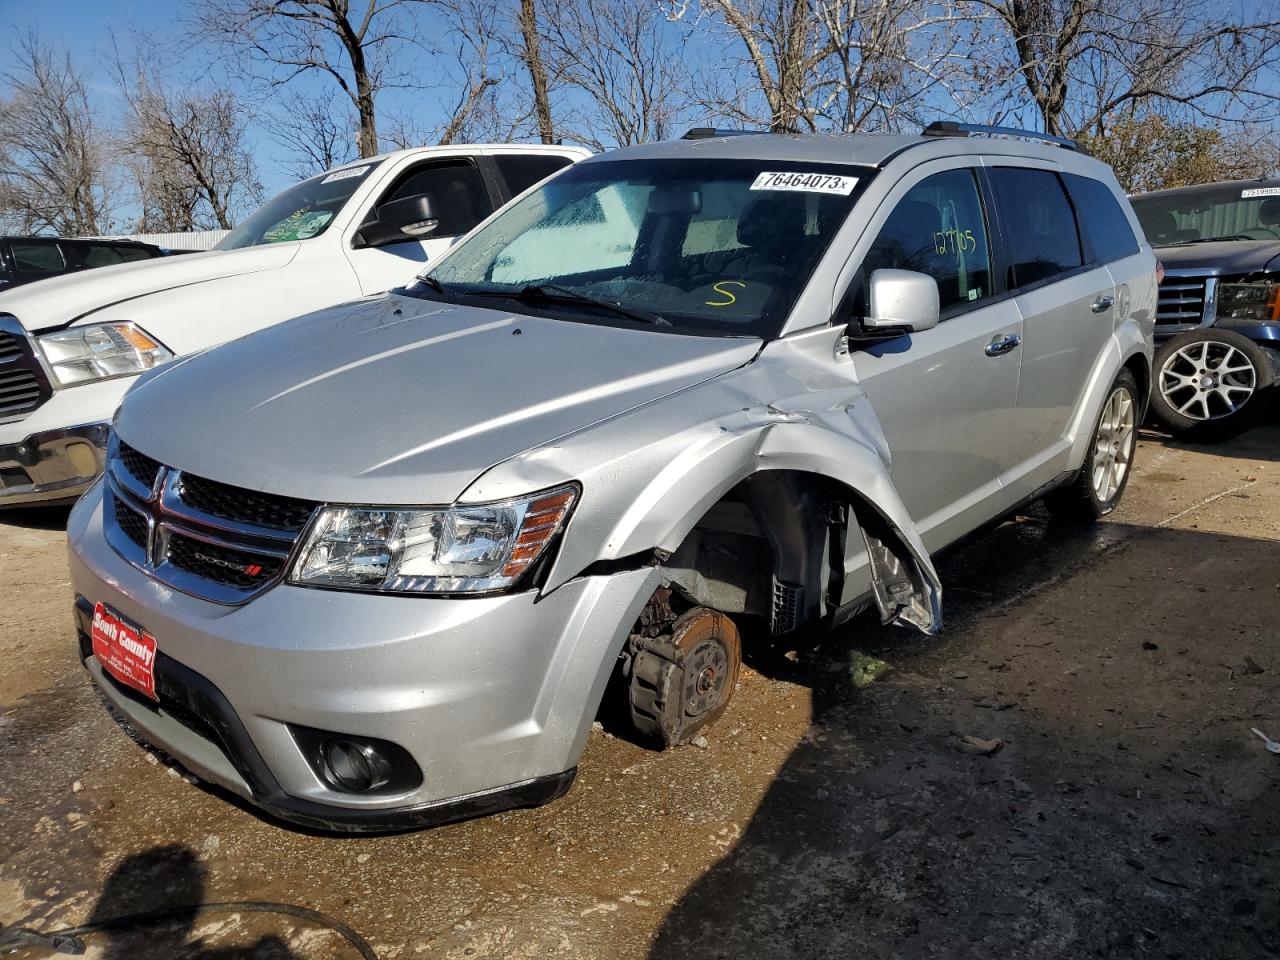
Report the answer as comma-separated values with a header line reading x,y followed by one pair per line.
x,y
1096,490
1206,384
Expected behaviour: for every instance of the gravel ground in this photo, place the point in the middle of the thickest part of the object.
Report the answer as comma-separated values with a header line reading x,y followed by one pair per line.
x,y
1109,800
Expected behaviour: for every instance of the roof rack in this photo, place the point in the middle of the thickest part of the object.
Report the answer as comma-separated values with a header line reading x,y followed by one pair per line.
x,y
949,128
705,133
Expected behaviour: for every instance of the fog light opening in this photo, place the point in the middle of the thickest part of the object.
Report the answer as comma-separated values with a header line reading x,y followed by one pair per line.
x,y
356,767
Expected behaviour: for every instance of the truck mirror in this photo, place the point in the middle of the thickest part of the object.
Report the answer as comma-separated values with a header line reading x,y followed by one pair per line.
x,y
400,220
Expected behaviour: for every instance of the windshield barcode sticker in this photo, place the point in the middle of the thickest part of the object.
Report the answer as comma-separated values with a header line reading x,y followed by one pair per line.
x,y
806,182
1260,192
346,174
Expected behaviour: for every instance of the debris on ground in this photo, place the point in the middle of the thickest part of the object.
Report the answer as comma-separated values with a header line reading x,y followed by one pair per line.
x,y
865,670
1272,745
980,746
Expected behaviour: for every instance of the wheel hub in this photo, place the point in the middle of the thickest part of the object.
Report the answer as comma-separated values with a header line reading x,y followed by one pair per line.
x,y
1207,380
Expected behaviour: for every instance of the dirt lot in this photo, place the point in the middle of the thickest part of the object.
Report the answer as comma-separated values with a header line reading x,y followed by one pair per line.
x,y
1128,811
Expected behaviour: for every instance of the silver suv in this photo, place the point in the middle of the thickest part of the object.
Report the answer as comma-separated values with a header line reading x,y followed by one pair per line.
x,y
376,566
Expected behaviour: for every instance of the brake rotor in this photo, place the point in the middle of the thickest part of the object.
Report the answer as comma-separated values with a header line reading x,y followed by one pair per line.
x,y
683,682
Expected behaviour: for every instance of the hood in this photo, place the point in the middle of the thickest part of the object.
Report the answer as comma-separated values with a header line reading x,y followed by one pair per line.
x,y
61,300
402,401
1222,258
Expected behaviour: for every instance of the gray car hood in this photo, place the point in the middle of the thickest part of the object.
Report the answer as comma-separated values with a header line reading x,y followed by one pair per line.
x,y
1222,257
402,401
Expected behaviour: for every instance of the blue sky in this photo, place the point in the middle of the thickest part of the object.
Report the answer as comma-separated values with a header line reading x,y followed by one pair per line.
x,y
85,26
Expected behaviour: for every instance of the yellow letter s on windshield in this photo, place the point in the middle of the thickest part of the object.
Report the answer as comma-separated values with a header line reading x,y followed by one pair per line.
x,y
724,293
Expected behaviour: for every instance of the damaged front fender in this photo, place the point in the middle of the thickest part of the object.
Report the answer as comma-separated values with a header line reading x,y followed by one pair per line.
x,y
650,475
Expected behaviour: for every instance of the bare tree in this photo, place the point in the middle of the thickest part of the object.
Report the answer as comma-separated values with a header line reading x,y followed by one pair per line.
x,y
53,157
629,69
1084,62
317,136
187,147
822,64
362,51
531,55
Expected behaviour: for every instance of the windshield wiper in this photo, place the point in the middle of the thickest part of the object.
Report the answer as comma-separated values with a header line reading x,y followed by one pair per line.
x,y
1233,236
550,292
433,283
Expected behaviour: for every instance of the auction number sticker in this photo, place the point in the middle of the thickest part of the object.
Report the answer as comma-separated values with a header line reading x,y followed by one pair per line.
x,y
806,182
1260,192
346,174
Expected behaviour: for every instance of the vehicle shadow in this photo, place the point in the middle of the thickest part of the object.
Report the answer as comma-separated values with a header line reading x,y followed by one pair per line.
x,y
1110,801
1259,442
168,884
36,518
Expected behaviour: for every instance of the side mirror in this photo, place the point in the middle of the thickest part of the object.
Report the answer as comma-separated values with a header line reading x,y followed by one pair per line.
x,y
400,220
901,301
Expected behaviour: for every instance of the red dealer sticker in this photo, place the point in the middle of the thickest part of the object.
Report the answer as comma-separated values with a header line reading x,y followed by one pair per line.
x,y
125,652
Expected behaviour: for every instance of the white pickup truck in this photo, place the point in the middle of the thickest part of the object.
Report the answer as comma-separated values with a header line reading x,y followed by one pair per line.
x,y
71,346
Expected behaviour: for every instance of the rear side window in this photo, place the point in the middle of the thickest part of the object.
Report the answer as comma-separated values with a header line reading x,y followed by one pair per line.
x,y
1041,236
36,257
104,255
457,191
938,228
523,170
1106,228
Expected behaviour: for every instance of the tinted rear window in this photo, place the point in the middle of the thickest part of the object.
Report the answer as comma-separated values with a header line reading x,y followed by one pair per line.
x,y
1105,226
36,256
523,170
1041,237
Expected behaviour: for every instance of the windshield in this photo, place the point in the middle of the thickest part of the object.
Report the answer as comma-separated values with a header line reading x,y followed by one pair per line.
x,y
706,246
1234,212
303,211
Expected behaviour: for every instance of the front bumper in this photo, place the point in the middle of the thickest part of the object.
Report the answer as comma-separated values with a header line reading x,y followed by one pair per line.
x,y
52,466
492,697
55,452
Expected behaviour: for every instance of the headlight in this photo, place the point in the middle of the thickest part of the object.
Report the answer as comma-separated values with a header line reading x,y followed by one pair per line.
x,y
1250,301
459,549
100,351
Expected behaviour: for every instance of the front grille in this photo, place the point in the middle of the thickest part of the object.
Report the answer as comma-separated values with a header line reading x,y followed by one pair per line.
x,y
22,388
131,523
1182,300
244,506
9,348
211,540
235,568
141,467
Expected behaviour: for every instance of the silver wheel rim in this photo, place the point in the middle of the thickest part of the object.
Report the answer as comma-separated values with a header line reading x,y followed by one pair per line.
x,y
1208,380
1113,445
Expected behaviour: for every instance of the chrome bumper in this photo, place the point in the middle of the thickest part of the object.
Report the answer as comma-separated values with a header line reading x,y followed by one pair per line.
x,y
52,466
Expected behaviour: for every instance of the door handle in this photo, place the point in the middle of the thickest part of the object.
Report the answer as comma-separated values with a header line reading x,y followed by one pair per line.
x,y
1103,303
1000,345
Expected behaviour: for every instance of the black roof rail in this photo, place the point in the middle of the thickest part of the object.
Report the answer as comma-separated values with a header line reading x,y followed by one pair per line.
x,y
705,133
949,128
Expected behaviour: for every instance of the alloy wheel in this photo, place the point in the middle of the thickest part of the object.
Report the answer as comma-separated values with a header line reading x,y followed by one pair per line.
x,y
1113,445
1207,380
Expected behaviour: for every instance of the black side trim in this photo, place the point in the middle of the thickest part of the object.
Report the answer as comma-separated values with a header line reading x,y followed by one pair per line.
x,y
201,705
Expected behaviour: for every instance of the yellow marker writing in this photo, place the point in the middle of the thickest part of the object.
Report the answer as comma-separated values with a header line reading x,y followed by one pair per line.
x,y
724,293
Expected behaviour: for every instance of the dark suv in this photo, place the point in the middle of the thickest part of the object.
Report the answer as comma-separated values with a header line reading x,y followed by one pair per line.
x,y
24,259
1218,322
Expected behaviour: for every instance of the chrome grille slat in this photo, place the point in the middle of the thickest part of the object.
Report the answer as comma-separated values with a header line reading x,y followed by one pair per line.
x,y
212,557
24,387
1185,301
